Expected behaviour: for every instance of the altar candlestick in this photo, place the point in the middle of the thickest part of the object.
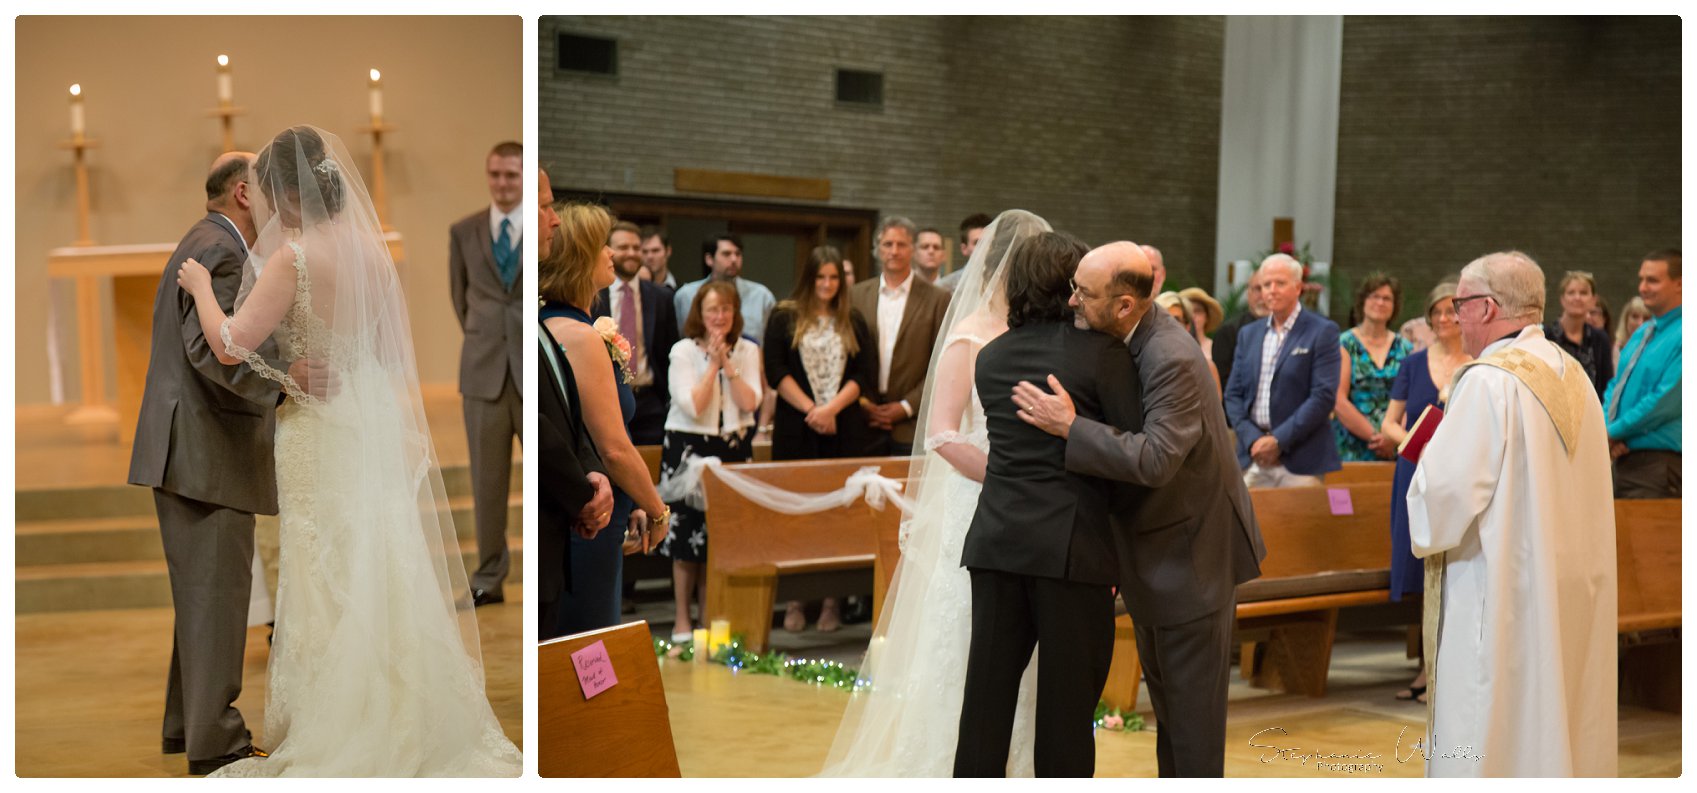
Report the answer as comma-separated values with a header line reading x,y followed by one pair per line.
x,y
224,90
76,111
376,96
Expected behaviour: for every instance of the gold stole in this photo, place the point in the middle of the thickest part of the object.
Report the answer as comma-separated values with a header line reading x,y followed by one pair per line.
x,y
1563,398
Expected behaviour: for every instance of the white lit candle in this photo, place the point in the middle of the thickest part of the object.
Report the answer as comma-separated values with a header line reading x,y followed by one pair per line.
x,y
376,95
224,91
76,110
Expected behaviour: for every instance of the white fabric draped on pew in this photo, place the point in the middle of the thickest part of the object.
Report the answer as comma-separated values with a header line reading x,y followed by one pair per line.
x,y
685,485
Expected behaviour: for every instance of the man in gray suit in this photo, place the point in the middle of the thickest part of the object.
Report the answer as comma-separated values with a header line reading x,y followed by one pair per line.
x,y
1185,531
484,280
204,444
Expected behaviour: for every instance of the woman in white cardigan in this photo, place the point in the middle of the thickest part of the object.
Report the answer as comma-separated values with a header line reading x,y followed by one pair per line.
x,y
715,384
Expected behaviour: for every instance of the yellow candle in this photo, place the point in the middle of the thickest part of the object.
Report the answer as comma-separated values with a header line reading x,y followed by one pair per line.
x,y
376,96
76,110
700,638
720,634
224,90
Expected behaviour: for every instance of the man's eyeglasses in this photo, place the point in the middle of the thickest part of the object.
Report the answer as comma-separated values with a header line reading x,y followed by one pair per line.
x,y
1461,301
1082,296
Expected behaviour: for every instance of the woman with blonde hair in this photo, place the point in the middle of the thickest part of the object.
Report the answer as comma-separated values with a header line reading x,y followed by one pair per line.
x,y
580,265
1631,317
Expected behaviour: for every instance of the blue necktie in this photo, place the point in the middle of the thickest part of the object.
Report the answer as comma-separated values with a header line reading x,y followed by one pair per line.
x,y
506,259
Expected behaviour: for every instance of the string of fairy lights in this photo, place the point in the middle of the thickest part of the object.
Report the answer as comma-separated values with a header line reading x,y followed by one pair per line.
x,y
833,674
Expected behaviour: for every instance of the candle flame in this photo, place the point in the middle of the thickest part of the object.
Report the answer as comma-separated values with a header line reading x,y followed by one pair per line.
x,y
76,89
223,60
376,75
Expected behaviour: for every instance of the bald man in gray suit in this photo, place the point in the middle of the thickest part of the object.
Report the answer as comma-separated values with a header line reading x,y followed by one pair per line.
x,y
204,444
1184,528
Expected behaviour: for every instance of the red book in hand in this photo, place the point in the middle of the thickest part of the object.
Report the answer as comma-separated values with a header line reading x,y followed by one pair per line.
x,y
1415,443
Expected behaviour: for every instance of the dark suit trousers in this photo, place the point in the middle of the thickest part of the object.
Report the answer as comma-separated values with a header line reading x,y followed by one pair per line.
x,y
1187,668
209,556
490,429
648,424
1074,624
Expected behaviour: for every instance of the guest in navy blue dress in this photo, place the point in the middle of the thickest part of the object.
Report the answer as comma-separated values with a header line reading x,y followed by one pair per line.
x,y
1422,382
579,266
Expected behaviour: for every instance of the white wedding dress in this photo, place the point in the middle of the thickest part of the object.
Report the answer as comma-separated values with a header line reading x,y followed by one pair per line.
x,y
369,674
907,722
375,667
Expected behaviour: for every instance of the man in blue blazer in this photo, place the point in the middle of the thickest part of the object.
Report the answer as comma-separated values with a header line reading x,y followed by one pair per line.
x,y
1284,382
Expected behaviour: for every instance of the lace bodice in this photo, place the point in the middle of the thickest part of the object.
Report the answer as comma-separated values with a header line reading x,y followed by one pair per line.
x,y
300,334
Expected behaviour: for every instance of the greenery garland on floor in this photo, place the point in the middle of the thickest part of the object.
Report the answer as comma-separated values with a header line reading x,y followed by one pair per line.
x,y
834,675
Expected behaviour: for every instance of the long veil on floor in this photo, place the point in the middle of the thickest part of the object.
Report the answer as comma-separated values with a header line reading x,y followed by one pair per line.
x,y
906,721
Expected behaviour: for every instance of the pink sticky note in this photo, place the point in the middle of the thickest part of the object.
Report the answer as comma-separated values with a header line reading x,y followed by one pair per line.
x,y
594,669
1341,505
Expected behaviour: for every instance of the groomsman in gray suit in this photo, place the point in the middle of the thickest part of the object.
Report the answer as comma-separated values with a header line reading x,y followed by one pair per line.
x,y
204,444
1183,526
484,279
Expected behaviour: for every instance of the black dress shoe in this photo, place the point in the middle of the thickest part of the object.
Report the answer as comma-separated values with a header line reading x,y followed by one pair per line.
x,y
173,745
484,597
204,767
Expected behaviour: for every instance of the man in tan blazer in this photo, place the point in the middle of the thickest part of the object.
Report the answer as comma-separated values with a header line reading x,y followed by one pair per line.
x,y
905,314
485,281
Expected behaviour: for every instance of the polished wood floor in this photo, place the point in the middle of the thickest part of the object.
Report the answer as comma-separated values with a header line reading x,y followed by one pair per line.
x,y
730,724
91,688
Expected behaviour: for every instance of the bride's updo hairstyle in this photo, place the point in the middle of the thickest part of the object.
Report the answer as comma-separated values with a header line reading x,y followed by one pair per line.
x,y
1040,268
300,179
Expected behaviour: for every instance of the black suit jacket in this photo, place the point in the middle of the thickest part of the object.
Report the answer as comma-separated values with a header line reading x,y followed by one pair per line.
x,y
1225,344
1183,525
1034,518
659,333
567,456
791,438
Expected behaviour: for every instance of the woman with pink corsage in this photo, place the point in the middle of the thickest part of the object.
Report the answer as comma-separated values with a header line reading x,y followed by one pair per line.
x,y
578,267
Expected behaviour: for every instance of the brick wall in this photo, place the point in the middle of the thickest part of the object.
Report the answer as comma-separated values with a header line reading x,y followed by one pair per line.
x,y
1557,136
1108,127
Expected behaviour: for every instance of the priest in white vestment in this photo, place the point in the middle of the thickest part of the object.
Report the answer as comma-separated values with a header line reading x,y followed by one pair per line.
x,y
1512,505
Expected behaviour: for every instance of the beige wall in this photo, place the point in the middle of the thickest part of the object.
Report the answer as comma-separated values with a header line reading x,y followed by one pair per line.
x,y
452,87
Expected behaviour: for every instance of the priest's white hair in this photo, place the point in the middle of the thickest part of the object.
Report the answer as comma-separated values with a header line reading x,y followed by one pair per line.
x,y
1512,278
1283,260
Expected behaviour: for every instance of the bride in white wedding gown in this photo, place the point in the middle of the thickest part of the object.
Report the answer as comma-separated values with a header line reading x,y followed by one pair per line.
x,y
906,722
375,667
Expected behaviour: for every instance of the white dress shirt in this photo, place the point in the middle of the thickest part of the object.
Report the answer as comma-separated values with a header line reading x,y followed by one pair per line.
x,y
495,218
721,416
892,302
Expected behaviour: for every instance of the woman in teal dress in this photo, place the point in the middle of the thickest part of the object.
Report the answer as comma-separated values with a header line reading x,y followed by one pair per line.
x,y
1372,356
579,266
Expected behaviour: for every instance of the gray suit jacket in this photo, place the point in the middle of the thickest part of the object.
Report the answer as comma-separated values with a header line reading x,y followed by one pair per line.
x,y
1185,531
911,359
489,313
206,429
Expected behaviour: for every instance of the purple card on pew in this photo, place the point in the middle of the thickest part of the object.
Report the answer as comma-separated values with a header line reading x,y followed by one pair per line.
x,y
594,669
1341,505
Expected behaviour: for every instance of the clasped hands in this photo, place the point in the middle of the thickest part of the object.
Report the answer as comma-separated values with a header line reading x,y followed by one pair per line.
x,y
885,416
